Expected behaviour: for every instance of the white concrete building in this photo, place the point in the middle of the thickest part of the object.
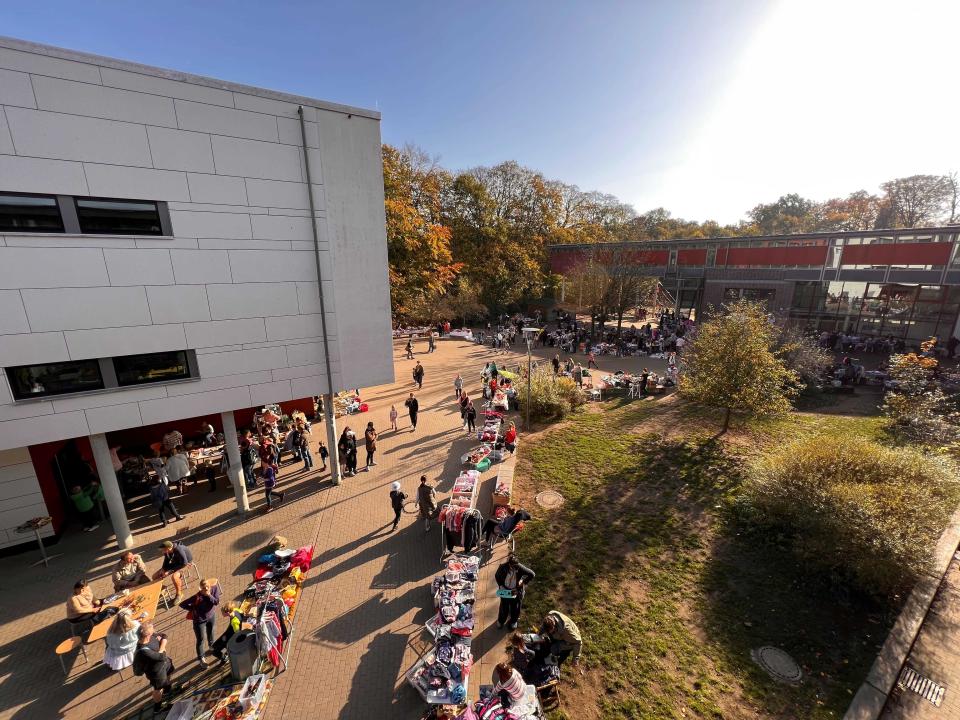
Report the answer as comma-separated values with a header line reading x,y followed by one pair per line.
x,y
199,298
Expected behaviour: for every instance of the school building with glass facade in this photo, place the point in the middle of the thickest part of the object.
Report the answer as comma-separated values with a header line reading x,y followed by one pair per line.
x,y
891,283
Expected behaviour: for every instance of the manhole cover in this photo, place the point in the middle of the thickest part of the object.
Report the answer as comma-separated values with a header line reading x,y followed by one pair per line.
x,y
550,499
777,663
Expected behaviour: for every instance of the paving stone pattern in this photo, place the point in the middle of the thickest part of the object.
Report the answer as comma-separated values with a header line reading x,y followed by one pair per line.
x,y
366,598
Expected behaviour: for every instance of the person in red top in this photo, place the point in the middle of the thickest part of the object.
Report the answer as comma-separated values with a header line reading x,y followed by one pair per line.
x,y
510,438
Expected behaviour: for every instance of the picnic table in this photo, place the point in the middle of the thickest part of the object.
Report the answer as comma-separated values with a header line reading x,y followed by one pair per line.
x,y
143,598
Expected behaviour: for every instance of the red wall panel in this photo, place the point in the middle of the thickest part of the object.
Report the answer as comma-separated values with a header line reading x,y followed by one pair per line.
x,y
692,257
777,256
905,254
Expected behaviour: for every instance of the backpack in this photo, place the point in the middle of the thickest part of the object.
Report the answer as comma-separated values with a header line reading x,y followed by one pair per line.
x,y
251,455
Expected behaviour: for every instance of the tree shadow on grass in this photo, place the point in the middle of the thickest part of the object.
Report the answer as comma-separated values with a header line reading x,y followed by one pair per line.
x,y
756,594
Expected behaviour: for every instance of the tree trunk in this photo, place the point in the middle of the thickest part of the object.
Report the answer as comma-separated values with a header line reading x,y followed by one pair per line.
x,y
726,422
619,321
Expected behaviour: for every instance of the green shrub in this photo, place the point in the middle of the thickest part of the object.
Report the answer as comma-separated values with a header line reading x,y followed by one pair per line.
x,y
867,515
551,398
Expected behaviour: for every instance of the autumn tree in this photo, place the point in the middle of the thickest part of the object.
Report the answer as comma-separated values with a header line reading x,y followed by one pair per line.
x,y
789,214
919,408
917,200
732,364
421,264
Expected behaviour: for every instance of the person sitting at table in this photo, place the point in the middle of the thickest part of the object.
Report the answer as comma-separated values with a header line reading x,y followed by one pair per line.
x,y
504,527
130,571
151,660
176,556
508,684
121,641
202,607
82,606
564,636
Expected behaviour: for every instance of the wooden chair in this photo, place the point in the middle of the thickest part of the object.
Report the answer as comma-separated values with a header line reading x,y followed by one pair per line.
x,y
549,695
69,645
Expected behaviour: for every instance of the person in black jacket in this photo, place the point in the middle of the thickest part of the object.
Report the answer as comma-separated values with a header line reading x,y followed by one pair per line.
x,y
151,661
512,579
413,407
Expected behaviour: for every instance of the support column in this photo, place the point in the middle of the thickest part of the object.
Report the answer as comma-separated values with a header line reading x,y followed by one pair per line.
x,y
332,438
235,469
111,490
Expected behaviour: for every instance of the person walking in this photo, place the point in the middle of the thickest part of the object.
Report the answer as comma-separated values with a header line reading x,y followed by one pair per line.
x,y
418,375
432,344
202,609
249,456
370,440
393,417
464,400
512,579
471,418
426,502
457,386
83,502
396,502
592,360
413,407
160,499
304,448
409,349
269,476
578,375
348,451
556,364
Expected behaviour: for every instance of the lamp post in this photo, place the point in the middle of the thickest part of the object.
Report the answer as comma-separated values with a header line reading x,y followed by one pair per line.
x,y
529,334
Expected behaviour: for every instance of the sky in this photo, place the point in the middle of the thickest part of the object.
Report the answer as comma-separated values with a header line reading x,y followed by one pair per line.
x,y
704,107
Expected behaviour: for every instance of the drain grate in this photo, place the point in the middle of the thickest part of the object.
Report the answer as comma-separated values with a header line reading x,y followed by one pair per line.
x,y
922,686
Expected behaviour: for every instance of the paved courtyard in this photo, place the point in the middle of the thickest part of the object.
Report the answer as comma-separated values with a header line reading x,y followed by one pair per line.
x,y
365,601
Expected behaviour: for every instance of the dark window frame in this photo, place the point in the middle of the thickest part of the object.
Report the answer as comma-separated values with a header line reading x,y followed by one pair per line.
x,y
121,372
19,395
77,200
108,377
57,204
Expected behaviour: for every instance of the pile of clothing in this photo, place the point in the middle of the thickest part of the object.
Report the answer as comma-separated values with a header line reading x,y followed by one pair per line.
x,y
442,675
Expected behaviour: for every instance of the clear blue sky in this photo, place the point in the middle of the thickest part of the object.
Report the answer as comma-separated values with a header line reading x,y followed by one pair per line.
x,y
661,103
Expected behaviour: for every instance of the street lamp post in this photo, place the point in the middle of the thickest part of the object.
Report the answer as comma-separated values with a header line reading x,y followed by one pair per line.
x,y
529,334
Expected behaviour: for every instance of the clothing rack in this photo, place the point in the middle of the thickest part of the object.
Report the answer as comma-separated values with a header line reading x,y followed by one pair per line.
x,y
470,514
274,595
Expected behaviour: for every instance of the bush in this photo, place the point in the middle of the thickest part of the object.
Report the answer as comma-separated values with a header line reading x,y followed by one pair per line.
x,y
551,398
867,515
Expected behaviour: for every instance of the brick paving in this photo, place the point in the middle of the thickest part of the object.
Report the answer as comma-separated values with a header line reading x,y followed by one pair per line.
x,y
935,655
366,598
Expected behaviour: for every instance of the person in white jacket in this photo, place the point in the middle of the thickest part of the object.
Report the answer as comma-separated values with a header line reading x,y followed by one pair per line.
x,y
121,641
178,468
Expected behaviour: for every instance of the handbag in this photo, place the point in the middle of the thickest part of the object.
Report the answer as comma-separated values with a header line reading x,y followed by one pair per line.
x,y
505,593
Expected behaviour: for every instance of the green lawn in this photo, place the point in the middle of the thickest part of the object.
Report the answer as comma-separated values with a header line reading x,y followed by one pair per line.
x,y
669,597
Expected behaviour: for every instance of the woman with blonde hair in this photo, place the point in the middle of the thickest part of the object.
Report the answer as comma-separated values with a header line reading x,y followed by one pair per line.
x,y
121,641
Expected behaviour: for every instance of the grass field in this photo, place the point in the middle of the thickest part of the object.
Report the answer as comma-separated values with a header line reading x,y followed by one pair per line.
x,y
670,598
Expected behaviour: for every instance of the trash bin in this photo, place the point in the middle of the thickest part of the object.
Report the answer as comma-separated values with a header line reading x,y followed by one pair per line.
x,y
242,650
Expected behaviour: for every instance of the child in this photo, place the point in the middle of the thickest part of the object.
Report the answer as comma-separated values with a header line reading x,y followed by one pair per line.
x,y
269,475
396,502
393,417
323,454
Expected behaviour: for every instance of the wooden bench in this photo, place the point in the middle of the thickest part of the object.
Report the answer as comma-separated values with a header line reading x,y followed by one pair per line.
x,y
69,645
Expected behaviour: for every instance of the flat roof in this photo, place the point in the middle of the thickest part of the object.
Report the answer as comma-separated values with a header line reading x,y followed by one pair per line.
x,y
66,54
746,238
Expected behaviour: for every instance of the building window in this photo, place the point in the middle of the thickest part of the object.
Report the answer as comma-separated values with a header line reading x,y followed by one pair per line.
x,y
30,213
155,367
102,216
36,381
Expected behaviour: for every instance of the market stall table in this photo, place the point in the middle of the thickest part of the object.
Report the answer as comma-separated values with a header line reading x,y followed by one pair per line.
x,y
142,599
